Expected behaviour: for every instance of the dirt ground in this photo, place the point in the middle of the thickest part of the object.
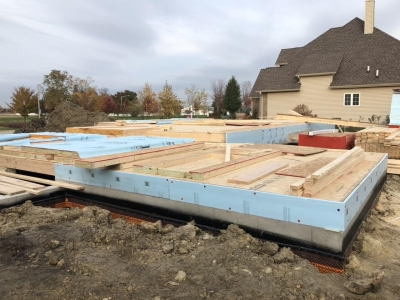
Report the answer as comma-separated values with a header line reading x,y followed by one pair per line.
x,y
66,115
50,253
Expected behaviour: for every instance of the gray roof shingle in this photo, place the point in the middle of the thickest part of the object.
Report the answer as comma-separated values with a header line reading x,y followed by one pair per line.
x,y
345,51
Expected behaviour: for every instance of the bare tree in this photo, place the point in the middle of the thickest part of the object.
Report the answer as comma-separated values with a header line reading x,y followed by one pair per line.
x,y
218,94
246,90
197,98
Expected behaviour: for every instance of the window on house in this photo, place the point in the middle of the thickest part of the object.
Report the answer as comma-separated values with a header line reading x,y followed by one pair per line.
x,y
351,99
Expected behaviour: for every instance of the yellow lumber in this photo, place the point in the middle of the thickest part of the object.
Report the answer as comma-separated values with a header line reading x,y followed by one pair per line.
x,y
27,190
31,165
327,121
21,183
44,181
208,172
115,159
298,184
258,173
310,189
337,162
392,136
7,190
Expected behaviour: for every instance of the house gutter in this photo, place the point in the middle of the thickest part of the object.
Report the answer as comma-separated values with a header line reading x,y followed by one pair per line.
x,y
365,86
315,74
277,91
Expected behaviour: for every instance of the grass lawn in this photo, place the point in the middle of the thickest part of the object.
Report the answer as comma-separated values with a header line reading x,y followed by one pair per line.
x,y
8,120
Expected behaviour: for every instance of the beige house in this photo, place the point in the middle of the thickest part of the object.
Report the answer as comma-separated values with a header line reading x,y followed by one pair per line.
x,y
348,72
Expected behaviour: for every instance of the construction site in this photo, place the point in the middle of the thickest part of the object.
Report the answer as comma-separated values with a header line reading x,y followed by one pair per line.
x,y
287,208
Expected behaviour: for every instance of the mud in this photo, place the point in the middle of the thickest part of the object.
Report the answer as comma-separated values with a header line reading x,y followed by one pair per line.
x,y
50,253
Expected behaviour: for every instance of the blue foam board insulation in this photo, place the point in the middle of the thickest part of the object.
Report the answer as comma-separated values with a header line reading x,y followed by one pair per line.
x,y
99,147
13,136
23,139
274,135
330,215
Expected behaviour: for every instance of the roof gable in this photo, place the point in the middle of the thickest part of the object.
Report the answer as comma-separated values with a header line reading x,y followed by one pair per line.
x,y
344,51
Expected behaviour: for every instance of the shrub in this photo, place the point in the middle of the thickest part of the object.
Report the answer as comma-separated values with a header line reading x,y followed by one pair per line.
x,y
304,110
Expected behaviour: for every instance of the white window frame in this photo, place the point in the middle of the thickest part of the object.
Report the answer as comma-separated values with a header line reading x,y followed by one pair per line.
x,y
352,99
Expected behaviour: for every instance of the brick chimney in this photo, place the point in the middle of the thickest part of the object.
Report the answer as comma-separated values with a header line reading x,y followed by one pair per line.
x,y
369,16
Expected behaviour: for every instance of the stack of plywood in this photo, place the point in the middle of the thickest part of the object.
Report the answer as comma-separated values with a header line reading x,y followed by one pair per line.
x,y
382,140
323,177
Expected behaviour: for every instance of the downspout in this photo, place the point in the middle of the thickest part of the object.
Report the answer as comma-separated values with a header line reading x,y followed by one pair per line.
x,y
261,108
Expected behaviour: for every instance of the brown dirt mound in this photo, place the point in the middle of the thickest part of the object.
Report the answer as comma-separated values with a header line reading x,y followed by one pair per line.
x,y
68,114
65,115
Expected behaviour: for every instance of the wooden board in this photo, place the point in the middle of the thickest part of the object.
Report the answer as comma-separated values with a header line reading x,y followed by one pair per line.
x,y
44,181
27,190
208,172
288,149
115,159
7,190
310,189
198,136
356,151
259,173
31,165
327,121
22,183
306,169
246,123
112,131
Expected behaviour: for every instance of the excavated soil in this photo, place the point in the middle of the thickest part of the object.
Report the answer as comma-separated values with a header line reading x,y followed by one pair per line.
x,y
66,115
48,253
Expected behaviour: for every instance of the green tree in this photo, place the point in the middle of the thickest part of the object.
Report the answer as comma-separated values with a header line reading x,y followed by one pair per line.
x,y
170,104
125,100
196,98
24,101
147,98
136,110
59,86
232,99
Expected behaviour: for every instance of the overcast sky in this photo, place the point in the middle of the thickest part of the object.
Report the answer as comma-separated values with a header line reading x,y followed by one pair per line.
x,y
121,44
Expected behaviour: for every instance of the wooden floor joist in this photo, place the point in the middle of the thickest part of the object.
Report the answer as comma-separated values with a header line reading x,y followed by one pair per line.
x,y
7,190
326,170
30,165
204,173
22,183
328,121
314,186
115,159
27,190
258,173
44,181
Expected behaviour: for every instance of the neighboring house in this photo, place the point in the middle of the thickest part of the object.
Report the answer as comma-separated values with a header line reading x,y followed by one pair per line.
x,y
348,72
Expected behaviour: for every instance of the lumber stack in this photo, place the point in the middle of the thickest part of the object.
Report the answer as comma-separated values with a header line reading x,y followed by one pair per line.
x,y
393,166
322,178
12,186
382,140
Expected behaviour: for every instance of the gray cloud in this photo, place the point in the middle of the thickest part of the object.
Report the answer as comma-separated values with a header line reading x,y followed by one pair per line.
x,y
123,44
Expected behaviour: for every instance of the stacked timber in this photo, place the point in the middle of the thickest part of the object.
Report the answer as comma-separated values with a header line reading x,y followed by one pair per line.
x,y
382,140
393,166
323,177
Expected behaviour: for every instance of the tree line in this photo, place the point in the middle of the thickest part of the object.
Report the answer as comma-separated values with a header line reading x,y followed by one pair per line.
x,y
60,86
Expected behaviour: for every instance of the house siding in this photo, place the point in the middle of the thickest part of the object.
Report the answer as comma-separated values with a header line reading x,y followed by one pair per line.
x,y
328,103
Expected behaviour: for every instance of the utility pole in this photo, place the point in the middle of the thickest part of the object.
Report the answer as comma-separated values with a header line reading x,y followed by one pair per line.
x,y
38,99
